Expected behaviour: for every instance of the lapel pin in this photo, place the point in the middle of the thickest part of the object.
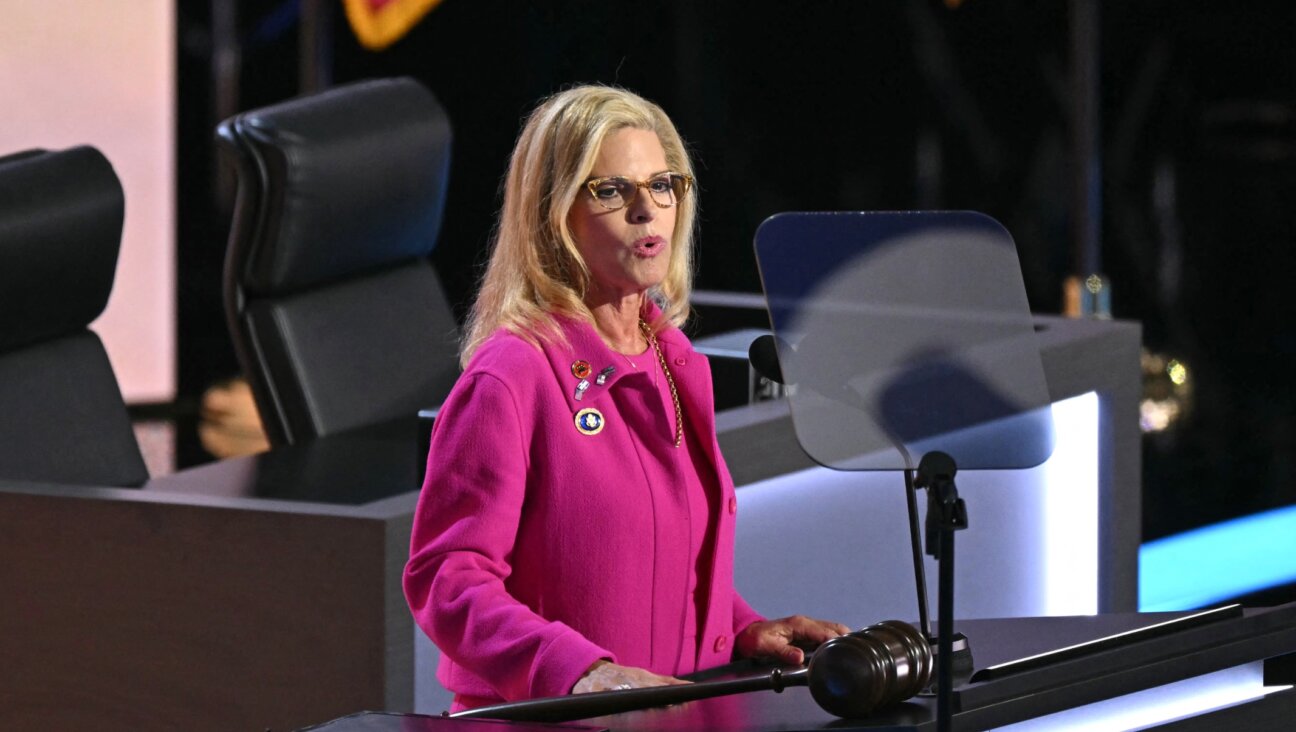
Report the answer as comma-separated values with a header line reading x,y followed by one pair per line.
x,y
589,421
581,388
604,374
581,369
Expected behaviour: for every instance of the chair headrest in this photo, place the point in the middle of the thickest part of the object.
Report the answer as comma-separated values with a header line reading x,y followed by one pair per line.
x,y
353,178
60,230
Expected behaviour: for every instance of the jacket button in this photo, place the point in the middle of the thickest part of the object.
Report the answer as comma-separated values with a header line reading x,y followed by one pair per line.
x,y
721,643
680,361
733,504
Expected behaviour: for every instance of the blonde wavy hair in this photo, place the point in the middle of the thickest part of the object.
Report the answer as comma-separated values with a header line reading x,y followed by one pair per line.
x,y
535,270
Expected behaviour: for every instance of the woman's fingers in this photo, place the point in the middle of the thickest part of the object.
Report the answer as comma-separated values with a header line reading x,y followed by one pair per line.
x,y
779,638
609,676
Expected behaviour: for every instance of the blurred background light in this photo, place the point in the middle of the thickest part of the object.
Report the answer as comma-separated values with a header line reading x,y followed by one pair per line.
x,y
1219,562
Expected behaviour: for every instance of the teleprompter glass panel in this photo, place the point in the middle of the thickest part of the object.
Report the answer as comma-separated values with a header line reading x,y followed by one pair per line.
x,y
903,333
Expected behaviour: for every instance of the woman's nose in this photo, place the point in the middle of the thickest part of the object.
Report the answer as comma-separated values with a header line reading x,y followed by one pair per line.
x,y
640,210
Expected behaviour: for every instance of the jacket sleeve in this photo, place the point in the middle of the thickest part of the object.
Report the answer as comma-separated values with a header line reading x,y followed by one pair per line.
x,y
743,614
461,545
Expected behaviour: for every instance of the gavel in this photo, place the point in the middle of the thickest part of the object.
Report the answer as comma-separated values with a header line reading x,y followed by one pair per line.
x,y
849,676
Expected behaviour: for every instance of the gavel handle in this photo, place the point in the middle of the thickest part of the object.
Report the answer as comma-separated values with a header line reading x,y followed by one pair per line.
x,y
597,704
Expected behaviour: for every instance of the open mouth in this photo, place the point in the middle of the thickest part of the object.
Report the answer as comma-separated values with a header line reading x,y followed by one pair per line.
x,y
649,246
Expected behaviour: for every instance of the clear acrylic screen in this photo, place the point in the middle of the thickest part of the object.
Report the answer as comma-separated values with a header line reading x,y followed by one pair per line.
x,y
904,333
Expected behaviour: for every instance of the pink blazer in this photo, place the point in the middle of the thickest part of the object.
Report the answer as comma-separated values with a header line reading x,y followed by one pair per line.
x,y
538,549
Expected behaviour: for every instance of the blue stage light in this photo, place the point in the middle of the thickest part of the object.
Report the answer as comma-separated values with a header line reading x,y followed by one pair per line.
x,y
1218,562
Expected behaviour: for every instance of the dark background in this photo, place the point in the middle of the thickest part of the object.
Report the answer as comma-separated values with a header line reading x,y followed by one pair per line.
x,y
880,105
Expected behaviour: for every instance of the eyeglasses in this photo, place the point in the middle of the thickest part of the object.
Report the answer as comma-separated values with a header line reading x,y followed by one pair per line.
x,y
616,192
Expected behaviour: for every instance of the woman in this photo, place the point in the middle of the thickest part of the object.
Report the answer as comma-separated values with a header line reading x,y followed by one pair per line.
x,y
575,531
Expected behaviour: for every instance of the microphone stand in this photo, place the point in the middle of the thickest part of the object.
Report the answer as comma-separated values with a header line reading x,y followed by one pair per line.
x,y
946,514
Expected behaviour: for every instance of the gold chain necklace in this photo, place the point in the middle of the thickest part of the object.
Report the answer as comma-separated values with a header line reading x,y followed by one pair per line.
x,y
670,381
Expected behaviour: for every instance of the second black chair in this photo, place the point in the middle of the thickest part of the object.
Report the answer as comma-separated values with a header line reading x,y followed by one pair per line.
x,y
62,417
336,313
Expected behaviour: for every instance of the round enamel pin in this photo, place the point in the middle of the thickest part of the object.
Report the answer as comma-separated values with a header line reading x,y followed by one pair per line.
x,y
581,369
589,421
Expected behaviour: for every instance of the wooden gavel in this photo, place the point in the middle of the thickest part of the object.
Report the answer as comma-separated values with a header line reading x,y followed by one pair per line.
x,y
849,676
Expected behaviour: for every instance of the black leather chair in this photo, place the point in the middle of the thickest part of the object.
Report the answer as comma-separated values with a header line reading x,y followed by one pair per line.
x,y
62,417
336,313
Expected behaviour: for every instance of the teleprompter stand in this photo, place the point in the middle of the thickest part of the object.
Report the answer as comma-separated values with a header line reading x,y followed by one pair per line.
x,y
901,335
946,514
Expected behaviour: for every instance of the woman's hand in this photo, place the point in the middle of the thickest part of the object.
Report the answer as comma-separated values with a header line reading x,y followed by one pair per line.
x,y
775,638
607,676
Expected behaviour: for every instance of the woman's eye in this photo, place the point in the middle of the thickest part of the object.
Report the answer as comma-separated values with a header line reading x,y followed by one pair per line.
x,y
607,191
661,185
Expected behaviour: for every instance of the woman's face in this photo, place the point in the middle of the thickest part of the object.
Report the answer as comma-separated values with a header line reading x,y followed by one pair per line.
x,y
627,250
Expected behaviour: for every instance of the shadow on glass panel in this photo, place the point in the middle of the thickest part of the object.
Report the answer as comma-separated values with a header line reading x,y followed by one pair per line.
x,y
904,333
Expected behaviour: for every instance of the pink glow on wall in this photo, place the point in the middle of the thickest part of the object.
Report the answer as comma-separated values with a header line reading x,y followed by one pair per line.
x,y
103,74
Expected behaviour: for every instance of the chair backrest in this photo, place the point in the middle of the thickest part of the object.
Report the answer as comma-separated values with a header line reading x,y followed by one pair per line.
x,y
336,314
62,416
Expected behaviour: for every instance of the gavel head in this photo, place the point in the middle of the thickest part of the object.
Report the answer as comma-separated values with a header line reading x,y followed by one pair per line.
x,y
853,675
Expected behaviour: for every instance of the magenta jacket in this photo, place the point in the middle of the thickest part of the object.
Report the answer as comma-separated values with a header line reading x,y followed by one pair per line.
x,y
537,549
